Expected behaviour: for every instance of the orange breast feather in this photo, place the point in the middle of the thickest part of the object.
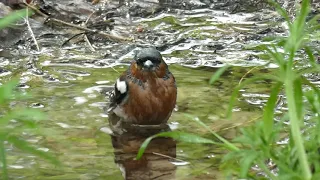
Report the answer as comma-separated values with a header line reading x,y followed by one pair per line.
x,y
154,101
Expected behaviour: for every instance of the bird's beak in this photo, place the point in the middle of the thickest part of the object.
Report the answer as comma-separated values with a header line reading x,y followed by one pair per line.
x,y
148,65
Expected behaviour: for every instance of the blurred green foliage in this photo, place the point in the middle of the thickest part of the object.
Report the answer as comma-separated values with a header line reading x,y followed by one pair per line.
x,y
259,144
13,17
23,119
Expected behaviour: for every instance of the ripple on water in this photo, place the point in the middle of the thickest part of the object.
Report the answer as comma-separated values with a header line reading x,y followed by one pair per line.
x,y
80,100
16,166
180,163
37,105
102,82
4,72
173,125
93,89
63,125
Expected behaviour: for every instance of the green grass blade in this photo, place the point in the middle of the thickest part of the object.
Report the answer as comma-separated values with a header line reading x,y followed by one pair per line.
x,y
313,23
268,113
298,98
302,16
311,57
280,10
217,75
313,33
276,56
29,114
226,142
247,162
179,136
267,170
314,87
24,146
295,112
7,90
13,17
23,115
306,71
297,32
3,159
143,147
235,92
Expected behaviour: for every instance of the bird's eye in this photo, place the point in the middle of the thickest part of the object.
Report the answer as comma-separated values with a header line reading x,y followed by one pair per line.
x,y
139,61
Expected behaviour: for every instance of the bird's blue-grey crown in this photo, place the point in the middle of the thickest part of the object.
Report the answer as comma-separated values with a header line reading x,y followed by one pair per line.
x,y
148,57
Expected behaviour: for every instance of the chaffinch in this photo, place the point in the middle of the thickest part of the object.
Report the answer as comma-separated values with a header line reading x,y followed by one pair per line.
x,y
146,93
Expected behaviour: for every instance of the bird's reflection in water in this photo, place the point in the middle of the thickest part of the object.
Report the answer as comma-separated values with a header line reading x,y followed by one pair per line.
x,y
156,163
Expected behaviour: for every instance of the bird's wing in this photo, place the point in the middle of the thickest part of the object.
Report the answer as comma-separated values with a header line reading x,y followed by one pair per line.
x,y
119,93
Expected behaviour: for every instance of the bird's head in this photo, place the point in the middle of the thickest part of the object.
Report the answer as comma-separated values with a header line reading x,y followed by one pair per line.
x,y
148,59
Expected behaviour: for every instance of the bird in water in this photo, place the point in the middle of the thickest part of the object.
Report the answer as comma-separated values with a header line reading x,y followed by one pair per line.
x,y
145,94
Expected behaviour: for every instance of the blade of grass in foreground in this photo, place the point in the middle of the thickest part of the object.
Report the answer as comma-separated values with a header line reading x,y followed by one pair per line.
x,y
179,136
227,143
236,91
295,40
24,146
280,10
24,115
13,17
268,113
218,74
6,90
3,160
